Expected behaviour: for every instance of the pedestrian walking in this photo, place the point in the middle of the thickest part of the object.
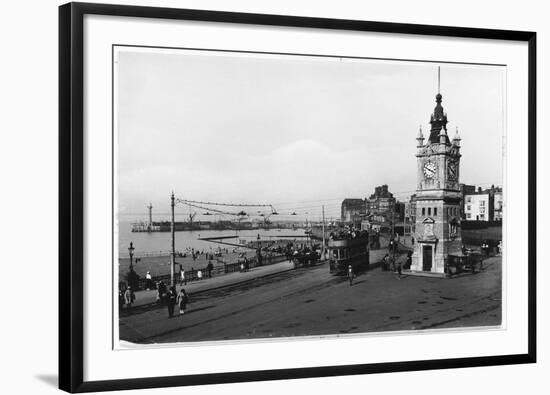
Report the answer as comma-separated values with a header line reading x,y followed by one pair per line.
x,y
408,263
385,262
161,292
172,297
199,275
350,275
121,299
148,280
182,301
485,248
183,279
129,297
210,267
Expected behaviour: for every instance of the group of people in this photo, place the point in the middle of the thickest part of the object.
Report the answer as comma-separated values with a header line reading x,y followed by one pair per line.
x,y
180,299
209,255
195,274
348,232
170,297
126,297
244,264
304,256
165,295
485,248
390,263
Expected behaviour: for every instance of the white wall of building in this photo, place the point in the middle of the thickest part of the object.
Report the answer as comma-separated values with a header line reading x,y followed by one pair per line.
x,y
476,207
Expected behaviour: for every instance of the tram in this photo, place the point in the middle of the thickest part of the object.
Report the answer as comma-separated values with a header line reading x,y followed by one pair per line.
x,y
349,250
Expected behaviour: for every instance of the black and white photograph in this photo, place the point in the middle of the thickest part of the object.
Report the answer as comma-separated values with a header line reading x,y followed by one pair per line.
x,y
269,195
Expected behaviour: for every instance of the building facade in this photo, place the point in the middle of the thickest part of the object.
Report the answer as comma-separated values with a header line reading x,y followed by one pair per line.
x,y
498,206
438,196
478,206
381,207
410,215
465,190
381,201
353,210
483,205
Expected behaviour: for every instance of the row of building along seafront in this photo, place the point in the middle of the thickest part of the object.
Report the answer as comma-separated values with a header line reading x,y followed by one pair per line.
x,y
381,209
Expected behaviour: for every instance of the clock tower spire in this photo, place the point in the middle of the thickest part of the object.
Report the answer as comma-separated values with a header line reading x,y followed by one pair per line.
x,y
437,227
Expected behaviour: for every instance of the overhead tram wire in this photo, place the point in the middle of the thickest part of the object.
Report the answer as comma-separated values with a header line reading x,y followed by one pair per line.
x,y
203,205
208,209
223,204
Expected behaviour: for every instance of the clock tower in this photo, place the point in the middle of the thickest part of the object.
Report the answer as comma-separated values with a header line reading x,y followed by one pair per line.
x,y
437,229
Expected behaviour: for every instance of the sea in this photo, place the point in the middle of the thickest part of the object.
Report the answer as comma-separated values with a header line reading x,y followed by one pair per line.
x,y
159,242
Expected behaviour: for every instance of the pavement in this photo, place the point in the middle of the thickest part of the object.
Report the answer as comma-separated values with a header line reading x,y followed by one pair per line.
x,y
193,287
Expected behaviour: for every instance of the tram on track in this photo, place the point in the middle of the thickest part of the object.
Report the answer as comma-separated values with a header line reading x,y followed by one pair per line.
x,y
351,249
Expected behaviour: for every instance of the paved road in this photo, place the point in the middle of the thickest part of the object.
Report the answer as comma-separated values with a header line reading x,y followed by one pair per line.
x,y
310,301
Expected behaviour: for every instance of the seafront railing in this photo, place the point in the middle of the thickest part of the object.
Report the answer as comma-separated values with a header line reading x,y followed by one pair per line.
x,y
218,270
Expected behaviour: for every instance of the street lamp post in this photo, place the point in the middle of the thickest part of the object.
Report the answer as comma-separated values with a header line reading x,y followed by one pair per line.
x,y
173,243
392,237
323,249
307,229
131,253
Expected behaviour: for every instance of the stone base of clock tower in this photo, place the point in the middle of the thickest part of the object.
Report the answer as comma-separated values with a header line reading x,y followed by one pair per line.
x,y
437,231
431,255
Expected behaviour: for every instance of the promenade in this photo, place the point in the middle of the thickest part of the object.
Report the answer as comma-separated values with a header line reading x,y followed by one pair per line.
x,y
194,287
160,265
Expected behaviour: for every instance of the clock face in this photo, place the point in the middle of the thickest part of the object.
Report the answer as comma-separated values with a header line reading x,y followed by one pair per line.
x,y
452,170
430,170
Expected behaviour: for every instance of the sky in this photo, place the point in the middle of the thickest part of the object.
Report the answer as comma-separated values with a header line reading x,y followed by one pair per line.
x,y
296,132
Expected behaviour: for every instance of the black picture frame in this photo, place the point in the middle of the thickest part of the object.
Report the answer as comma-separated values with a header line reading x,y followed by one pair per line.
x,y
71,181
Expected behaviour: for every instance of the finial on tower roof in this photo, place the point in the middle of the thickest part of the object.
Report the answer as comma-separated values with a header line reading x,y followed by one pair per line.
x,y
420,134
438,119
456,138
